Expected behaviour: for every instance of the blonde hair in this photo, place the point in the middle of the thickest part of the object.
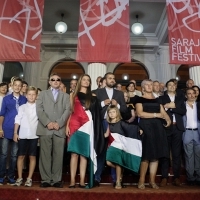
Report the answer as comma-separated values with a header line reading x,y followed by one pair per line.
x,y
118,117
32,88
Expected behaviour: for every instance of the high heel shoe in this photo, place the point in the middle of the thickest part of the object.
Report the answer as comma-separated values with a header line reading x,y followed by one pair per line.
x,y
141,186
118,185
71,186
81,186
153,185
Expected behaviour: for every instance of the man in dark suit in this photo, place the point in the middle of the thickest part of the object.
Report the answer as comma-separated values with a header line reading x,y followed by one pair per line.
x,y
175,108
108,96
53,109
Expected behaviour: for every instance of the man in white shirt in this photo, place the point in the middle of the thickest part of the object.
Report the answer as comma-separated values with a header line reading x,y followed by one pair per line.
x,y
191,139
108,96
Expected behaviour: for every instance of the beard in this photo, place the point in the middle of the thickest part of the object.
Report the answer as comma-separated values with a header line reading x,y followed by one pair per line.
x,y
110,85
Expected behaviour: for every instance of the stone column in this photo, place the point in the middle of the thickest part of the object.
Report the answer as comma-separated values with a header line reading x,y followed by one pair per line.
x,y
164,68
31,73
194,73
1,71
95,70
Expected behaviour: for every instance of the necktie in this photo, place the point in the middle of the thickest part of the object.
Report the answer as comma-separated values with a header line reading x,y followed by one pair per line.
x,y
17,103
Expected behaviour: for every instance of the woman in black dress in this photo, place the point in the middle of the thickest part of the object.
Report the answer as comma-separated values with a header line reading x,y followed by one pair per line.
x,y
153,118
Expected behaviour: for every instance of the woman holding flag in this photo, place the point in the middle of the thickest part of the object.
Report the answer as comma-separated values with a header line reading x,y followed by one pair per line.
x,y
84,119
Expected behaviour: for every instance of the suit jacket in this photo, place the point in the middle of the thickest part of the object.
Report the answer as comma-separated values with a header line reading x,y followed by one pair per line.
x,y
117,95
49,110
179,111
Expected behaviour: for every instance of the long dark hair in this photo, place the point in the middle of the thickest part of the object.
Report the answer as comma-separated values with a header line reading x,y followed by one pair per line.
x,y
88,92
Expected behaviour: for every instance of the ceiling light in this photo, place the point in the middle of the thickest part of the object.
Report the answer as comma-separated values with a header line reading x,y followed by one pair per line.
x,y
61,27
137,28
125,77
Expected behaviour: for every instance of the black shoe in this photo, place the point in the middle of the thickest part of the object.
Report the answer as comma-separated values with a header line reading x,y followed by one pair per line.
x,y
96,183
81,186
197,183
190,183
71,186
58,185
45,185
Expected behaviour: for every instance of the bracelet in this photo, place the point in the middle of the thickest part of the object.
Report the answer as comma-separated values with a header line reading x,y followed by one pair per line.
x,y
154,114
1,131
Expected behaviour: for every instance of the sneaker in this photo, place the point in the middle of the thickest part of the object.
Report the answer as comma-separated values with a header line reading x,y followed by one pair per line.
x,y
11,181
1,181
28,182
18,182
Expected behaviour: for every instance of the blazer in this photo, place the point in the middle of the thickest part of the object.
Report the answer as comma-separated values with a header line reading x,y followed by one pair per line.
x,y
179,111
117,95
49,110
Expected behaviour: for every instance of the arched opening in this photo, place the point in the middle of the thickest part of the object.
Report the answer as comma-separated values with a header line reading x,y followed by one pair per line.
x,y
183,75
134,70
67,69
12,69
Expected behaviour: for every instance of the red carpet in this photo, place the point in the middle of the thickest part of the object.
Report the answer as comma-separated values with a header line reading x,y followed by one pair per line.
x,y
104,192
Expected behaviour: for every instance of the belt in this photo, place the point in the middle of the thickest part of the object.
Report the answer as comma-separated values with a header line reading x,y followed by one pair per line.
x,y
192,129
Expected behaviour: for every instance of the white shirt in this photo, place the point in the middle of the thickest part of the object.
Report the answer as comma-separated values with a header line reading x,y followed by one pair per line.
x,y
138,93
110,95
172,98
191,116
1,100
155,95
28,121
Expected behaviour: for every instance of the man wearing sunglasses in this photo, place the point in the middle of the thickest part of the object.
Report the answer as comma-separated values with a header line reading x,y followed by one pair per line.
x,y
53,109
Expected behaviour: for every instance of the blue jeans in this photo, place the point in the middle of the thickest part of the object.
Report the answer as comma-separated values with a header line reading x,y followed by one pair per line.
x,y
4,144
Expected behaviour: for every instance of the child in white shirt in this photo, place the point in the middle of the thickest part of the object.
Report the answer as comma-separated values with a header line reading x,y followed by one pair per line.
x,y
26,137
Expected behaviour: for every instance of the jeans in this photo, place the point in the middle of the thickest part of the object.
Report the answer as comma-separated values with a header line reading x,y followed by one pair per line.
x,y
4,148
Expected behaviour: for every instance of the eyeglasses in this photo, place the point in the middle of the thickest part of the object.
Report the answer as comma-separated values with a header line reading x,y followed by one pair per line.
x,y
55,79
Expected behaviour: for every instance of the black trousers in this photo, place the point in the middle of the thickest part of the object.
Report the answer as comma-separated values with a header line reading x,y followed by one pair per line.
x,y
174,138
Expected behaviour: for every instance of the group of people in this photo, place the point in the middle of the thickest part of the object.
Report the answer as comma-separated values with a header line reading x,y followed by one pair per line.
x,y
127,130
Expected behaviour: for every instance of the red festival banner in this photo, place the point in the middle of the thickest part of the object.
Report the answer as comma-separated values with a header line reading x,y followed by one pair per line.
x,y
20,29
184,31
104,34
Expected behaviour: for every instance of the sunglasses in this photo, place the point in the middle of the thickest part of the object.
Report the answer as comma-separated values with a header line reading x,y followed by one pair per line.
x,y
55,79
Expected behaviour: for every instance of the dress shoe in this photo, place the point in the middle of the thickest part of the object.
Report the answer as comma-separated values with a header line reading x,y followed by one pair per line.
x,y
45,185
197,183
96,183
163,182
191,183
58,185
177,182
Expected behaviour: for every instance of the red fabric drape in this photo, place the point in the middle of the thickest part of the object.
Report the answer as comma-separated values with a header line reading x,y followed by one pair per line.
x,y
104,34
20,30
184,31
